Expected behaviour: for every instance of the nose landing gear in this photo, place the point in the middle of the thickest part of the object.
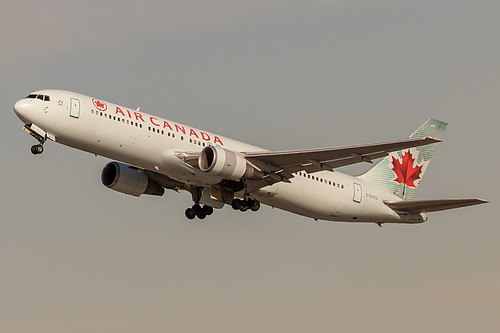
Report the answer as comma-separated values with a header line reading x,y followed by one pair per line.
x,y
34,131
36,149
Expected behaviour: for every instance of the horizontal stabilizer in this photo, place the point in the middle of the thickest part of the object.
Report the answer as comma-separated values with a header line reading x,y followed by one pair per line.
x,y
423,206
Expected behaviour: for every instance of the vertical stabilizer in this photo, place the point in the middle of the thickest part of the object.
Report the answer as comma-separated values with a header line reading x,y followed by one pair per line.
x,y
401,172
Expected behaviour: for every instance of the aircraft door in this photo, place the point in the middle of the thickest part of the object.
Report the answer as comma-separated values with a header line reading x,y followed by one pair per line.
x,y
74,108
357,193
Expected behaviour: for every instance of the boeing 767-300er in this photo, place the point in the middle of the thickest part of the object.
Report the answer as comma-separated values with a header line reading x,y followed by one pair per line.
x,y
156,153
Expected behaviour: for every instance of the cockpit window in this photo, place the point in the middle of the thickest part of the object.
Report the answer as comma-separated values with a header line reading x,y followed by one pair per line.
x,y
40,97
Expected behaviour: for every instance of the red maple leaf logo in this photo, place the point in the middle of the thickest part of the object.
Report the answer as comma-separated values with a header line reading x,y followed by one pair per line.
x,y
404,170
99,105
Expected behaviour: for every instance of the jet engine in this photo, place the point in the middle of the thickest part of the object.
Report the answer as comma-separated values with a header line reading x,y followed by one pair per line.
x,y
226,164
129,180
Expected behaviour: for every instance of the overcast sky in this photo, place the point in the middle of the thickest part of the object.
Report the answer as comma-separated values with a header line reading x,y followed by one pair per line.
x,y
77,257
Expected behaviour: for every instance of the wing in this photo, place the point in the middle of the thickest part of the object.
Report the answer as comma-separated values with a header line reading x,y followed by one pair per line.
x,y
279,165
425,206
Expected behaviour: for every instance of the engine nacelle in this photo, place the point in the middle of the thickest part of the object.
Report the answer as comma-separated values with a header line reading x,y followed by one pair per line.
x,y
129,180
226,164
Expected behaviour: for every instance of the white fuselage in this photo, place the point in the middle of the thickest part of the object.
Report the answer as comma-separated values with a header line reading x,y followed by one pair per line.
x,y
149,142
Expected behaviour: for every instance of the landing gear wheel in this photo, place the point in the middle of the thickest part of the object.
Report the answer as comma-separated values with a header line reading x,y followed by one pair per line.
x,y
190,214
197,209
244,206
36,149
254,205
201,215
236,204
208,210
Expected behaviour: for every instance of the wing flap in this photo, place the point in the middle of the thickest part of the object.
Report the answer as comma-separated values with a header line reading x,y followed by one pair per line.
x,y
425,206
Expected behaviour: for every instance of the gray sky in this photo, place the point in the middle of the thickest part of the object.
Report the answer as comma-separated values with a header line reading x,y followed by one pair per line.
x,y
77,257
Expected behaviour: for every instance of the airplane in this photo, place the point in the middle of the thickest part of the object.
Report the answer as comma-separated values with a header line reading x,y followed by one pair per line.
x,y
152,154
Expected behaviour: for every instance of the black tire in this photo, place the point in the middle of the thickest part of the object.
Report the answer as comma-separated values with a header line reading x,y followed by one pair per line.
x,y
197,209
36,149
254,205
201,215
190,214
208,210
244,206
236,204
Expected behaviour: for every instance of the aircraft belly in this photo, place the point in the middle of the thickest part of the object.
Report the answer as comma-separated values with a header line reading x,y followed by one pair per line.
x,y
329,203
303,197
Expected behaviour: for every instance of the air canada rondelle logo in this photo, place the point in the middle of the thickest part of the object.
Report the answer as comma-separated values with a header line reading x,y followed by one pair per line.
x,y
101,106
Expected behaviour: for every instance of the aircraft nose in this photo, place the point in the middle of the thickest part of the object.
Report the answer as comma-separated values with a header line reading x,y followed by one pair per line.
x,y
21,108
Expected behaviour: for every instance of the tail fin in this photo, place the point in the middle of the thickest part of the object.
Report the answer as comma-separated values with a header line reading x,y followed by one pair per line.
x,y
401,172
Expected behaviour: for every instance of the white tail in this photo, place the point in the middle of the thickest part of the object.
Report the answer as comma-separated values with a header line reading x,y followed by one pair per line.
x,y
401,172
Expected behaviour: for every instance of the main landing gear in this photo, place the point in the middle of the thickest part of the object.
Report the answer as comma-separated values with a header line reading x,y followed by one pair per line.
x,y
203,211
199,211
244,205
